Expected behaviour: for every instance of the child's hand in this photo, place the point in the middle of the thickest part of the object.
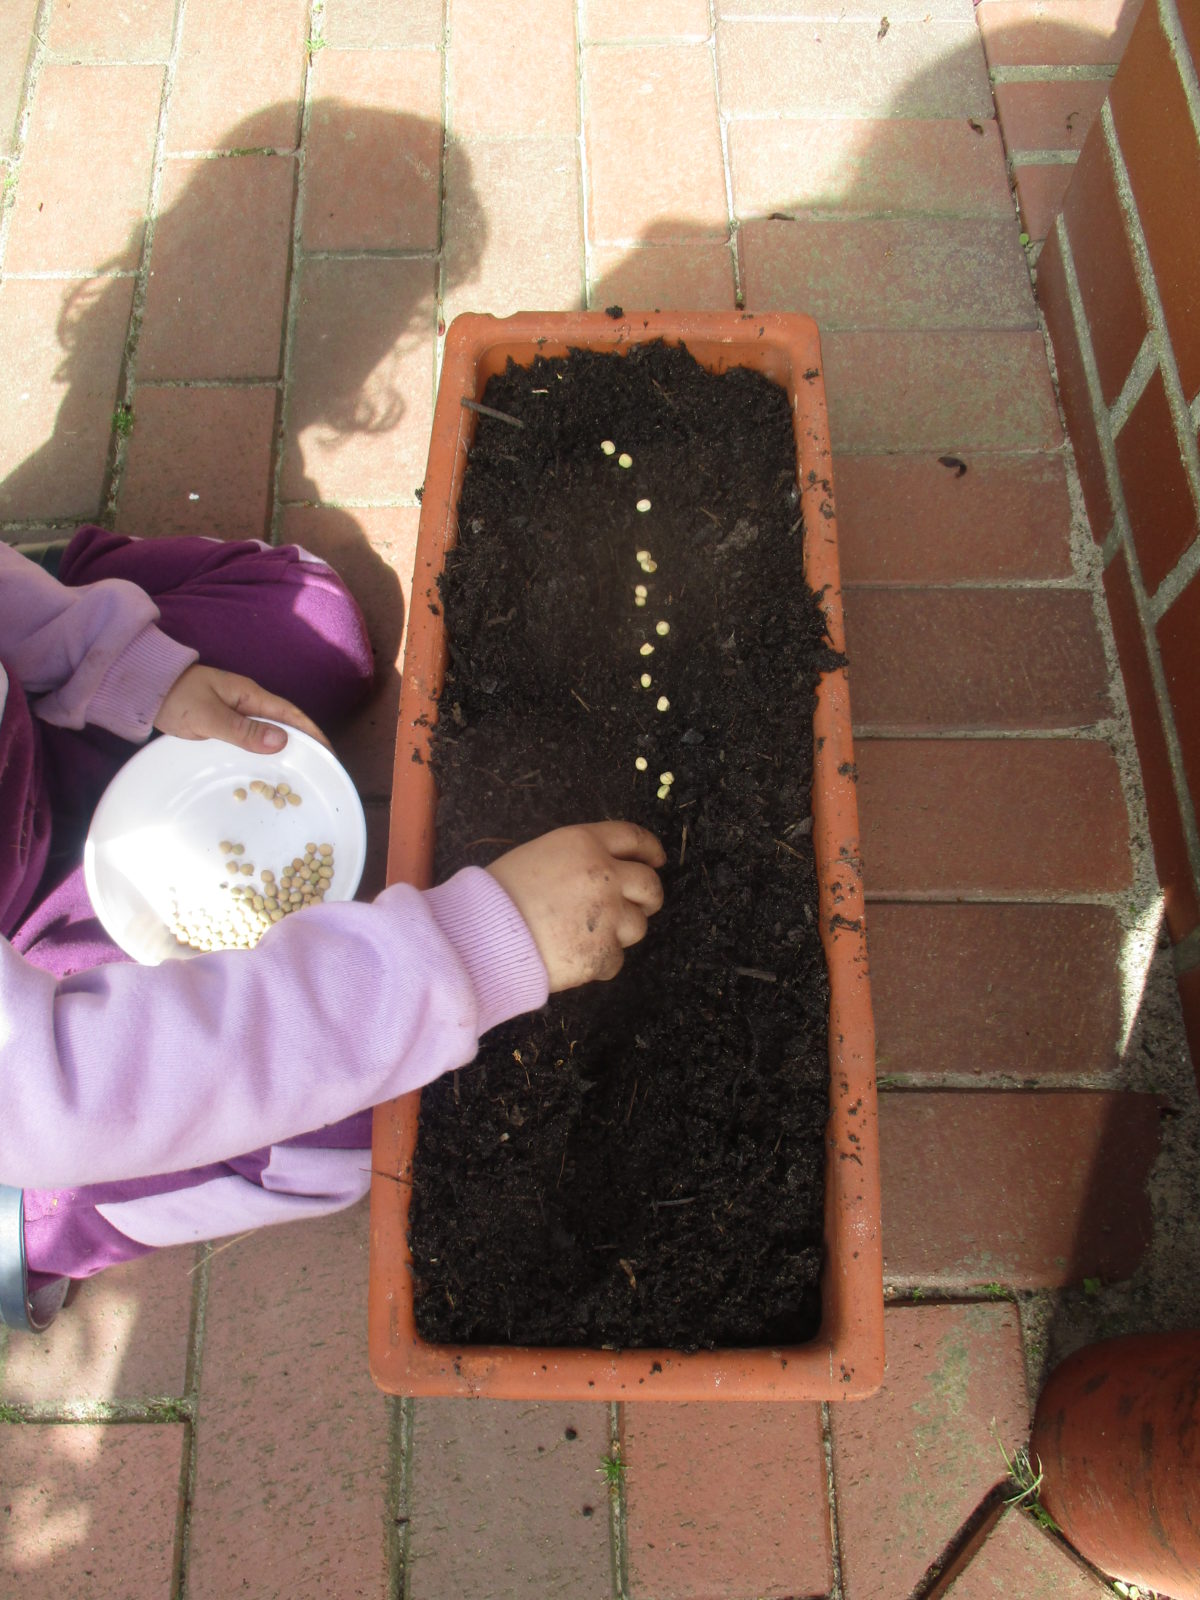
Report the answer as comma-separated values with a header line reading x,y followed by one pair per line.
x,y
203,703
585,894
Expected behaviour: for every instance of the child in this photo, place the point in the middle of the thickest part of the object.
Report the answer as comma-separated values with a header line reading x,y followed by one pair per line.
x,y
148,1106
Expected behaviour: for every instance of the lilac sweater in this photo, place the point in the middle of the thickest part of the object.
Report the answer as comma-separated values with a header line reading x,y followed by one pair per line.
x,y
126,1071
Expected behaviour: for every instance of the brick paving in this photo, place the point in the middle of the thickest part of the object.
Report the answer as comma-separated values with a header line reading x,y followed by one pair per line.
x,y
249,224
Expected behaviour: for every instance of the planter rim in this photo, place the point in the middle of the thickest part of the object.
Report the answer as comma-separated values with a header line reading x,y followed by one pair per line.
x,y
844,1361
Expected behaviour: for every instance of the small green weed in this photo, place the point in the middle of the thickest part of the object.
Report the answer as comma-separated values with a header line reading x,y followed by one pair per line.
x,y
123,420
612,1470
1091,1287
995,1291
1028,1485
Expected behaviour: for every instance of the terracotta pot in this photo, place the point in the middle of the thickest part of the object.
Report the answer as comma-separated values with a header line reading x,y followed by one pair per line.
x,y
1117,1437
845,1360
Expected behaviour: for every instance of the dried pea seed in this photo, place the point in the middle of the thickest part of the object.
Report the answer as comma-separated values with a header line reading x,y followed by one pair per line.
x,y
642,555
225,846
237,849
666,777
639,589
279,802
284,789
662,629
647,649
639,599
651,566
325,849
293,799
239,794
247,869
663,703
231,865
624,459
646,680
663,791
267,875
608,447
641,763
643,505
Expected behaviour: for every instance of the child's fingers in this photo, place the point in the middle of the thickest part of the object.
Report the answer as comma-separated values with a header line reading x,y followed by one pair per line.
x,y
640,884
628,842
632,925
252,700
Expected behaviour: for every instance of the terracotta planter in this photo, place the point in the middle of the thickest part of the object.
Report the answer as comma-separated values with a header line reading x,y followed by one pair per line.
x,y
1117,1436
845,1360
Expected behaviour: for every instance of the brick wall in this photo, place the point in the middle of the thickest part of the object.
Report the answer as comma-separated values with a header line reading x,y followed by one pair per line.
x,y
1119,281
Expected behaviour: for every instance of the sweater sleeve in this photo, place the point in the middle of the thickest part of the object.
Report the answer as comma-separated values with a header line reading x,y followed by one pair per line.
x,y
126,1071
90,654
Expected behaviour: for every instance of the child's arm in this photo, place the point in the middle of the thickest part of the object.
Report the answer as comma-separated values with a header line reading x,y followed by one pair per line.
x,y
126,1071
91,654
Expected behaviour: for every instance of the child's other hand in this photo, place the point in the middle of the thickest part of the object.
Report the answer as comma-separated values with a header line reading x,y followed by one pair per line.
x,y
585,893
203,703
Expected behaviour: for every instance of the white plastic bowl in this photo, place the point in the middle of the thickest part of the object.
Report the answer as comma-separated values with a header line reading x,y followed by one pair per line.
x,y
154,840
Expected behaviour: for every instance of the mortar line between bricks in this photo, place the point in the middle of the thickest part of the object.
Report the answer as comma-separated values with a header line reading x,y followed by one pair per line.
x,y
192,1373
315,31
1168,16
1145,363
401,1416
1053,74
731,233
581,113
35,60
1042,157
127,383
960,1546
617,1523
836,1591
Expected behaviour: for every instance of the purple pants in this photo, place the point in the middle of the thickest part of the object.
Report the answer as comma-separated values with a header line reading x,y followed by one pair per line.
x,y
278,616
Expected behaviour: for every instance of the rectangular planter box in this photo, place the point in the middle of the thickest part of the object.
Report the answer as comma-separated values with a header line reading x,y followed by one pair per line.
x,y
845,1359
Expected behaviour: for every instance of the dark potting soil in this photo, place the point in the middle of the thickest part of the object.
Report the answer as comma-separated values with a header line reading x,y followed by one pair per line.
x,y
642,1163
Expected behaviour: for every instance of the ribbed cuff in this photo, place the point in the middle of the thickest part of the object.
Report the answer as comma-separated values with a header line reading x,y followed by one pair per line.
x,y
135,686
491,939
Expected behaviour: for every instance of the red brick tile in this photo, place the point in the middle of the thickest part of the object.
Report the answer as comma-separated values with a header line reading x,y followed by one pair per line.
x,y
293,1460
498,84
654,162
1162,803
848,165
520,1489
1041,191
1068,33
724,1500
1073,387
1031,991
1100,248
63,345
1158,497
896,272
124,1336
239,77
1006,517
954,391
983,817
14,59
135,30
912,1463
216,293
1162,153
199,462
1052,114
793,68
373,551
1189,998
682,276
607,20
72,215
361,397
382,24
922,660
1031,1190
373,151
67,1486
1178,630
493,188
1018,1557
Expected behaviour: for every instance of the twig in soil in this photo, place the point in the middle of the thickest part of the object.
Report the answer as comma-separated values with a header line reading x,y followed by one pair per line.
x,y
688,1200
683,845
632,1098
756,972
783,845
490,411
582,702
455,1081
